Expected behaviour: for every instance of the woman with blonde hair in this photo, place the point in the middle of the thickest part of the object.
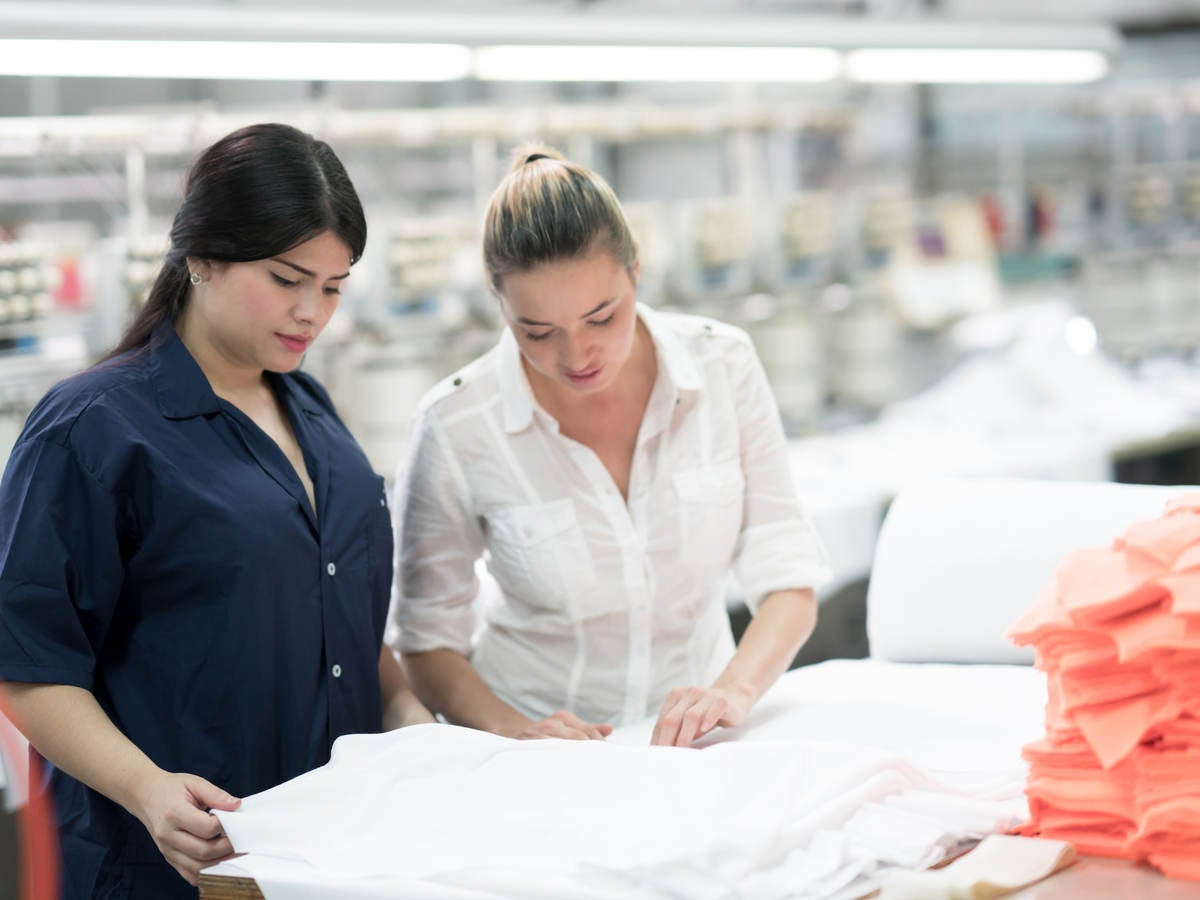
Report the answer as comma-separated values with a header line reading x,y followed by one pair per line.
x,y
612,464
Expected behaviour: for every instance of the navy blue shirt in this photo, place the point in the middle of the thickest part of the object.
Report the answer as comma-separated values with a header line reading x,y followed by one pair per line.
x,y
158,549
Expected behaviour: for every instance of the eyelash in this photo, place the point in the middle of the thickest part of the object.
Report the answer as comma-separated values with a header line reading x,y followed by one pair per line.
x,y
284,282
598,323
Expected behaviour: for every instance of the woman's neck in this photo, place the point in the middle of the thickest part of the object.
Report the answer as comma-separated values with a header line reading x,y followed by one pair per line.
x,y
227,379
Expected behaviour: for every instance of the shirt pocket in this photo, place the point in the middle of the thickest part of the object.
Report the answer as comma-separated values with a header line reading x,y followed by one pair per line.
x,y
540,557
710,511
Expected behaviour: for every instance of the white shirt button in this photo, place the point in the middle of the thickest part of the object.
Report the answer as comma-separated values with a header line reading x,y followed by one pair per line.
x,y
336,671
331,569
383,503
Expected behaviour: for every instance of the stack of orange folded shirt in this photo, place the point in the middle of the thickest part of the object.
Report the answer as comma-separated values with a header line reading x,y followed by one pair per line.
x,y
1118,635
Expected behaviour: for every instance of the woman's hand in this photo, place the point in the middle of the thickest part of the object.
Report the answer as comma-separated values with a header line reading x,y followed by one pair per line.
x,y
174,808
563,725
692,712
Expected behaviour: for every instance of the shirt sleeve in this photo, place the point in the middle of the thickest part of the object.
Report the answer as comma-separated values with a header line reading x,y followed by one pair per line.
x,y
778,548
438,542
61,567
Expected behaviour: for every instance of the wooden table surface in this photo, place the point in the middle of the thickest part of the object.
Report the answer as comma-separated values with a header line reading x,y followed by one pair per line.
x,y
1089,878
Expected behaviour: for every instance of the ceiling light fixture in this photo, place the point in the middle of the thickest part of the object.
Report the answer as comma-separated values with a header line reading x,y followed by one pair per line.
x,y
975,66
644,63
245,60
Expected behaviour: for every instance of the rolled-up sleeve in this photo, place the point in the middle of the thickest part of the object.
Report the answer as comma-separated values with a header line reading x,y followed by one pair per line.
x,y
778,548
438,542
61,567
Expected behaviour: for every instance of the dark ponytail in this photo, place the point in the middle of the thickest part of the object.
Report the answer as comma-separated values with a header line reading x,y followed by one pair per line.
x,y
254,194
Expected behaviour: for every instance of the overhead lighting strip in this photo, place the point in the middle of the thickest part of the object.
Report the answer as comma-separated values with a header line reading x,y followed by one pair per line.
x,y
418,62
642,63
975,66
235,60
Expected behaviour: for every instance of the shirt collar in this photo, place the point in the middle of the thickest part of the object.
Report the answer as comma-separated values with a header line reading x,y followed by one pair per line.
x,y
674,360
183,391
516,396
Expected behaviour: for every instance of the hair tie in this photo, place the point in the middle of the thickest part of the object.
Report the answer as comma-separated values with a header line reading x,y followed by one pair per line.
x,y
534,157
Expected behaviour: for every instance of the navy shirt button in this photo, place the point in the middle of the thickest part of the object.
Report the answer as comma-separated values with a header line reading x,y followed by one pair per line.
x,y
336,671
331,569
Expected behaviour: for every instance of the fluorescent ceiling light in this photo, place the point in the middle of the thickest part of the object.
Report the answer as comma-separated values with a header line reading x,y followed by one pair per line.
x,y
976,66
642,63
235,60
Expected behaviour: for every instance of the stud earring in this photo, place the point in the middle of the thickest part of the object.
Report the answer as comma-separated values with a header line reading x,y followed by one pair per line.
x,y
195,278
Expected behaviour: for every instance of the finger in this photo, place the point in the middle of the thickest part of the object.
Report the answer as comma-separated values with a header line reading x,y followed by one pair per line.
x,y
595,731
217,850
605,730
568,725
664,711
715,713
689,725
196,822
571,732
209,796
570,719
669,723
189,847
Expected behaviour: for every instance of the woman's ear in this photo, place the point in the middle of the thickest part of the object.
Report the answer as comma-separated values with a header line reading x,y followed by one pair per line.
x,y
201,267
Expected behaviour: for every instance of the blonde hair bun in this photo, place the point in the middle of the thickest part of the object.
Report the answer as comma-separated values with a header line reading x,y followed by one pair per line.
x,y
545,212
532,152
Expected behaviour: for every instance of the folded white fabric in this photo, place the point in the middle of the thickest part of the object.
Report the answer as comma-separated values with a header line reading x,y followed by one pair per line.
x,y
1001,864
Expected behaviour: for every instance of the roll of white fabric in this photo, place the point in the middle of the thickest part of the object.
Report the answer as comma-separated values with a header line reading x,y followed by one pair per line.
x,y
958,560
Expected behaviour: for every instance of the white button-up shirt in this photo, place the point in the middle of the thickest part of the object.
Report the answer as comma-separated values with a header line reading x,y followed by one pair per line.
x,y
604,604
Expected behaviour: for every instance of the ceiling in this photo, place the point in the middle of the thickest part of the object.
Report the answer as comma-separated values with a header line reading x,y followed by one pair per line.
x,y
1136,12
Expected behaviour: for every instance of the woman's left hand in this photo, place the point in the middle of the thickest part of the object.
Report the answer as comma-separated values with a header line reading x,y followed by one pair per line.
x,y
691,712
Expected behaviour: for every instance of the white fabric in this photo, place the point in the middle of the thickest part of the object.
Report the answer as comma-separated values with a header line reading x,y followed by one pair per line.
x,y
844,770
1001,864
958,560
604,606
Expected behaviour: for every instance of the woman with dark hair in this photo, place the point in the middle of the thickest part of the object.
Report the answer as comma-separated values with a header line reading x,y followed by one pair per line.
x,y
194,552
612,463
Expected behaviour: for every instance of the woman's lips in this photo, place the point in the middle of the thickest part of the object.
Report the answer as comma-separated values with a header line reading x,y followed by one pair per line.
x,y
294,343
584,377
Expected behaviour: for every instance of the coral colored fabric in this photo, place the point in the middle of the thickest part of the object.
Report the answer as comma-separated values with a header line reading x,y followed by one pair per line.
x,y
1118,634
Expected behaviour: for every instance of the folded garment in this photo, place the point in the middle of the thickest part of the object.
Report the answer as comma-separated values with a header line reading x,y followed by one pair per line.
x,y
1184,588
1096,685
1118,634
1147,631
1000,865
1102,583
1169,836
1113,730
1163,539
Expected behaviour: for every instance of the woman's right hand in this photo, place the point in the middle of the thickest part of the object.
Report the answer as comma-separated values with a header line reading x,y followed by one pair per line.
x,y
563,724
174,808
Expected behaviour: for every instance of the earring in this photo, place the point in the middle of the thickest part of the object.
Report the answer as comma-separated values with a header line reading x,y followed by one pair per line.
x,y
195,278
